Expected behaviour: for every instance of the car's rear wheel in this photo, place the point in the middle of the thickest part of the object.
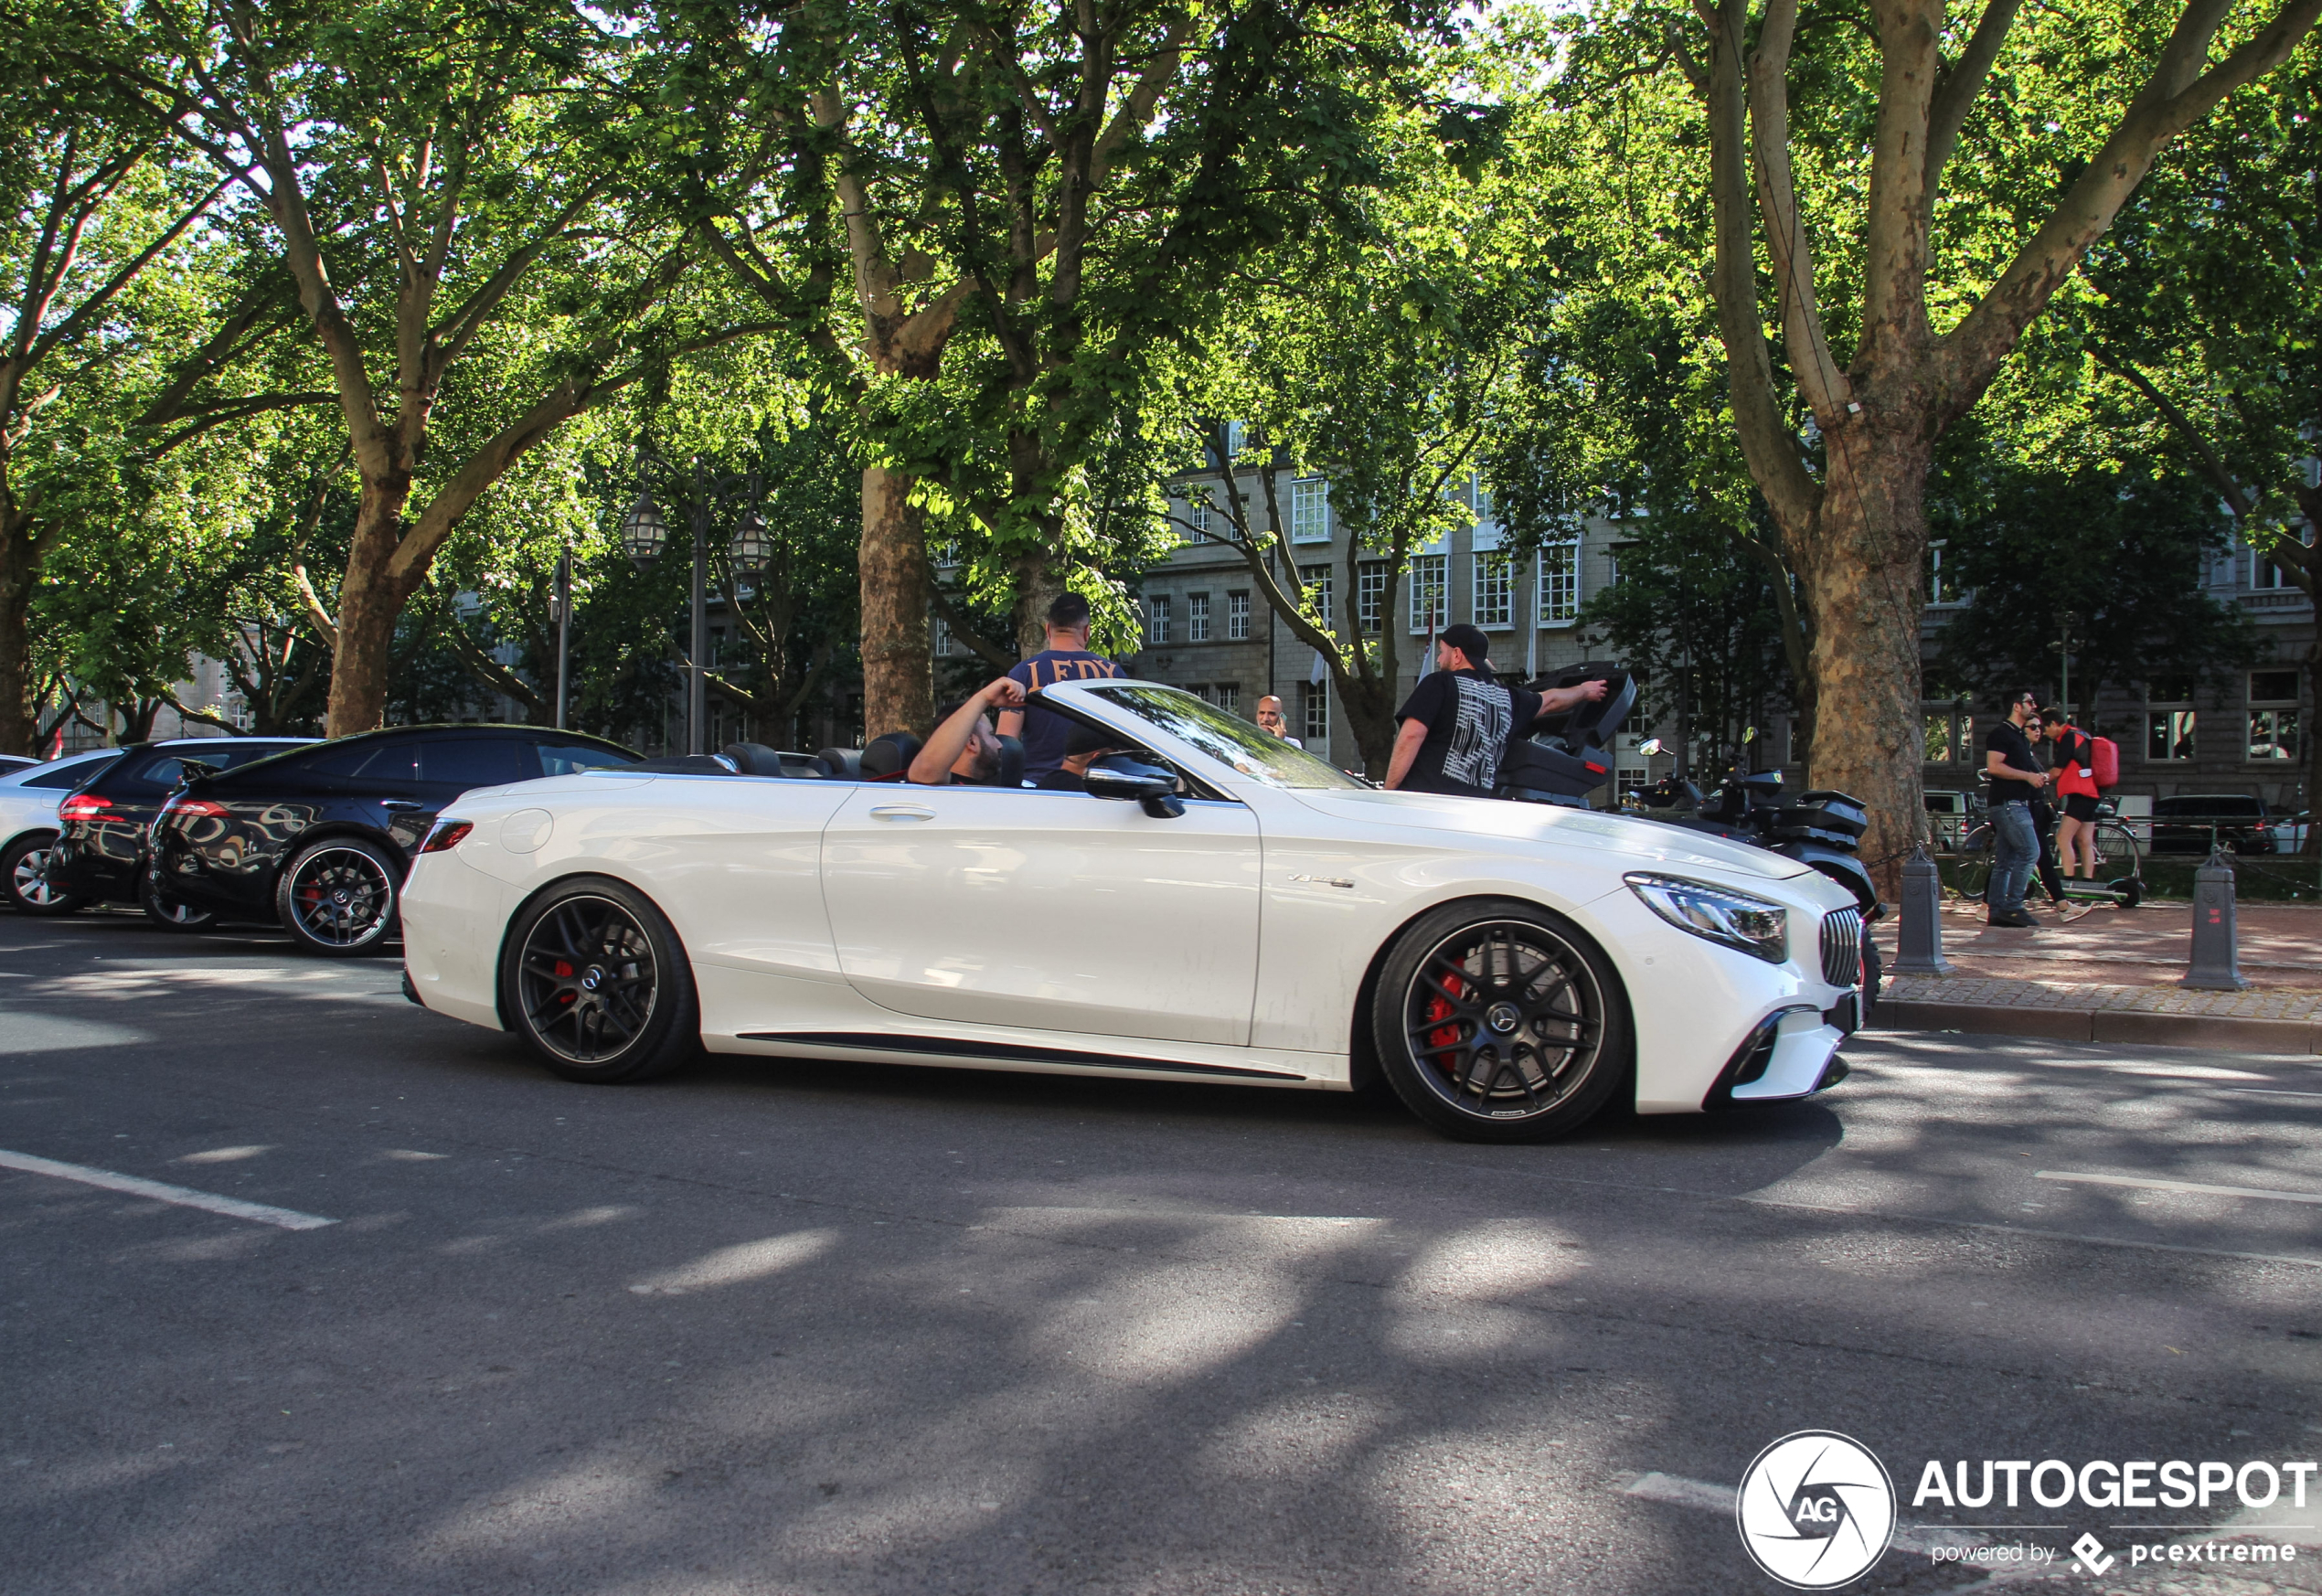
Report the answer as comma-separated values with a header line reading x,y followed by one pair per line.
x,y
594,979
338,898
167,910
24,877
1499,1021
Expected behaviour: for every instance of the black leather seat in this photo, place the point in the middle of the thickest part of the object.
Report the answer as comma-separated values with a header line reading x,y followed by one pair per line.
x,y
755,759
886,758
841,763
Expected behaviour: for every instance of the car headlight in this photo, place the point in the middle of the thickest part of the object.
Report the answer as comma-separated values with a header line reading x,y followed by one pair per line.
x,y
1719,913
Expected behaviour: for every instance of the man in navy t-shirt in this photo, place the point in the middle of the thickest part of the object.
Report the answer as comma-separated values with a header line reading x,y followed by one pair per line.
x,y
1065,659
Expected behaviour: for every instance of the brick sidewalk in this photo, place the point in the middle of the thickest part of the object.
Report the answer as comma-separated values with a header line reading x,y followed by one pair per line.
x,y
1994,991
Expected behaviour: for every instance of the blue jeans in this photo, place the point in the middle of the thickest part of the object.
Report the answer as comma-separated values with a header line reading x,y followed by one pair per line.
x,y
2015,847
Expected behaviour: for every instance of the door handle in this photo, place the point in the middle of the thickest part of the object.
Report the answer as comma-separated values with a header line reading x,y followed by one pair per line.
x,y
902,812
400,804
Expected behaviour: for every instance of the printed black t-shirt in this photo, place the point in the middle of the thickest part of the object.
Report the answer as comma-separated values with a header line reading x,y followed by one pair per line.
x,y
1044,730
1469,719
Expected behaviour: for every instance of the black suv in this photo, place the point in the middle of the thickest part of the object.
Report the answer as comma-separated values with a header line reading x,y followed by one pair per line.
x,y
2237,822
321,839
100,852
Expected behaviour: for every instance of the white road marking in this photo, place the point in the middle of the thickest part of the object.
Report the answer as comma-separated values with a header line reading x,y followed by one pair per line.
x,y
184,1197
2142,1183
1684,1493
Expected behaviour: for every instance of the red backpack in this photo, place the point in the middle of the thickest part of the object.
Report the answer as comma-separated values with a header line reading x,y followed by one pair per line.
x,y
2105,761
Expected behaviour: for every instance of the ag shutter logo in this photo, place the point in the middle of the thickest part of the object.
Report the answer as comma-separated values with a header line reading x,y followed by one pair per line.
x,y
1815,1510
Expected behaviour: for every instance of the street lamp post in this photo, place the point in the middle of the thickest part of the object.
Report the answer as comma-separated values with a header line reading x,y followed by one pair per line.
x,y
644,535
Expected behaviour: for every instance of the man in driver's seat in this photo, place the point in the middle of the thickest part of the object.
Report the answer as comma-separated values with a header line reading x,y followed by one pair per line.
x,y
964,750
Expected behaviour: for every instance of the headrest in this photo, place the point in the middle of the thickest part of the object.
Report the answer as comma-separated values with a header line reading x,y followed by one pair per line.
x,y
886,756
755,759
842,764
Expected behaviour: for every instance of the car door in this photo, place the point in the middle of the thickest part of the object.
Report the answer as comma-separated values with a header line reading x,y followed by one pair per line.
x,y
452,765
1056,912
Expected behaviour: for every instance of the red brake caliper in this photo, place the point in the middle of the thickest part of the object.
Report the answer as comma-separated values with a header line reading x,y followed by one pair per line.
x,y
564,972
1439,1007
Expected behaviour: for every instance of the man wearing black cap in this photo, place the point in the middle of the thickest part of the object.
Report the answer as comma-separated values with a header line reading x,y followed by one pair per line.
x,y
1457,721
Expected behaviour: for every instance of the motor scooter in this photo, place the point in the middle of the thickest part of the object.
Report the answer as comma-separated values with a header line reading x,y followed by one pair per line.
x,y
1567,758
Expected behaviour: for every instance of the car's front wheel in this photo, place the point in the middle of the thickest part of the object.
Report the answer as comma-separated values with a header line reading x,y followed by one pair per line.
x,y
1499,1021
593,977
338,897
24,877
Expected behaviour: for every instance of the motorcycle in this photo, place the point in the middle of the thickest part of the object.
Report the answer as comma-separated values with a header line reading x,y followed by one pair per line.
x,y
1565,759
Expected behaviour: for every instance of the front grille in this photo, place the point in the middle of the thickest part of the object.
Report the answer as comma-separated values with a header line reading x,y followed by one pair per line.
x,y
1842,947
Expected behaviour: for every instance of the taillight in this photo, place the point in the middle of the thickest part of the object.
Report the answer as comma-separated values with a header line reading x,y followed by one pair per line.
x,y
194,809
445,834
83,806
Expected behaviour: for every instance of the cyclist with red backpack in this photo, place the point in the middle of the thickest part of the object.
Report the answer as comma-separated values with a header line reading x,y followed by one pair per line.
x,y
2074,753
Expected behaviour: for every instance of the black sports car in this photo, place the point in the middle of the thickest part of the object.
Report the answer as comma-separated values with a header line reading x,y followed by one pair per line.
x,y
320,838
100,852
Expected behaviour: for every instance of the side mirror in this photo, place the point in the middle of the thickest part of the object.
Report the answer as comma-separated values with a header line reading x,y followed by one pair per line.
x,y
1149,786
1649,747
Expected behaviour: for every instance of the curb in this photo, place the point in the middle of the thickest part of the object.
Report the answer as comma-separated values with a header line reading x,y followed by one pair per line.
x,y
2127,1026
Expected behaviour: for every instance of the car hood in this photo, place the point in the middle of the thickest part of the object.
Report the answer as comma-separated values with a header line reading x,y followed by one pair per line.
x,y
1650,841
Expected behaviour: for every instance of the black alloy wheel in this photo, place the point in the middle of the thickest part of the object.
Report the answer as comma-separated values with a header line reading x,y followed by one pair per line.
x,y
167,910
338,898
24,877
1500,1021
594,979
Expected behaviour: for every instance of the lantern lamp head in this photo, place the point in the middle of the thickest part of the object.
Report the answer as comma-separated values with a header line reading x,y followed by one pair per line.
x,y
643,534
752,548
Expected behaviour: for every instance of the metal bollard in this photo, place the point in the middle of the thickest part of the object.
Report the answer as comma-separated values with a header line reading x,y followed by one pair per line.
x,y
2217,962
1919,936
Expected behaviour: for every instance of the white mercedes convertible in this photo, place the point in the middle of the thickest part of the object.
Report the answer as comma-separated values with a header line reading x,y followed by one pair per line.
x,y
1218,905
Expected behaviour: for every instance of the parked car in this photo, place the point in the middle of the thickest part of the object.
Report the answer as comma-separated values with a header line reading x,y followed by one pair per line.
x,y
28,800
1950,817
2186,823
2289,833
100,852
1220,907
320,839
11,763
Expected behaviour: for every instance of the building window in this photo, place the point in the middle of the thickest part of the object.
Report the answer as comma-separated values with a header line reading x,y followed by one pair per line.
x,y
1560,596
1237,617
1196,618
1316,579
1479,498
1938,590
1229,697
1310,511
1157,619
1494,594
2266,575
942,638
2168,720
1314,700
1942,748
1429,578
2274,714
1370,595
1196,515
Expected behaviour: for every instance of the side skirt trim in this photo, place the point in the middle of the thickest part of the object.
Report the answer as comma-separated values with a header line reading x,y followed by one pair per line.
x,y
953,1048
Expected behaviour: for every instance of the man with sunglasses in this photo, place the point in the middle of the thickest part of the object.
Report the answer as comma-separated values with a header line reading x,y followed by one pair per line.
x,y
2016,779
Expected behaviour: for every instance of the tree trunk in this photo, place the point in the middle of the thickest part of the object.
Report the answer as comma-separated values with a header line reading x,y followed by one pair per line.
x,y
1039,584
899,683
1865,558
368,603
19,717
2307,728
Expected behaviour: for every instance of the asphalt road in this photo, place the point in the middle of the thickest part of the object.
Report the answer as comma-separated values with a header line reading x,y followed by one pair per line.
x,y
770,1328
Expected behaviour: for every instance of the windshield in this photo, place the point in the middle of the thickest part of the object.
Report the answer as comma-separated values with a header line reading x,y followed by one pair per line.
x,y
1225,737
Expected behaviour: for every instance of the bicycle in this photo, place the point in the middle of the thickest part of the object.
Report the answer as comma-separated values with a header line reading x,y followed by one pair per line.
x,y
2116,846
